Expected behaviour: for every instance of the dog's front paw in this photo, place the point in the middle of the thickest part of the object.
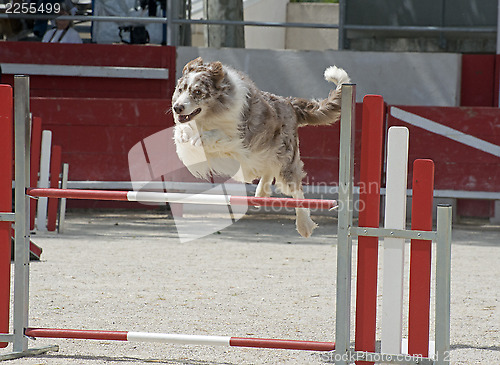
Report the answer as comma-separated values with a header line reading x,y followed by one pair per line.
x,y
196,140
183,133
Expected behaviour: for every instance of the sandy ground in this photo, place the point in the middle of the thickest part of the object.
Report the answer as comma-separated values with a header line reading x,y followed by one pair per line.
x,y
257,278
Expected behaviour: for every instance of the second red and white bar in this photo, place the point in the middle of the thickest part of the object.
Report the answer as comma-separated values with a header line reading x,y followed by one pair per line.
x,y
180,339
158,197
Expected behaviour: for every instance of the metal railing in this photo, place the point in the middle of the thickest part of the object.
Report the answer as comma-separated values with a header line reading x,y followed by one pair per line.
x,y
172,23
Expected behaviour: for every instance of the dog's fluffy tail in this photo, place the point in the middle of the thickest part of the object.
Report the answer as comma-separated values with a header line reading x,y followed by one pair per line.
x,y
326,111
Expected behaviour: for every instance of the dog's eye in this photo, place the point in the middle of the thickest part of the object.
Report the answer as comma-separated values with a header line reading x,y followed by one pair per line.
x,y
197,93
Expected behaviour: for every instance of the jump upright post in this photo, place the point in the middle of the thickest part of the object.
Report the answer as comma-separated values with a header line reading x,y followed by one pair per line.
x,y
367,233
22,125
395,233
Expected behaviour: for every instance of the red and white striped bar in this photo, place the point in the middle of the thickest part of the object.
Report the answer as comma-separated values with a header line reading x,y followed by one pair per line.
x,y
180,339
157,197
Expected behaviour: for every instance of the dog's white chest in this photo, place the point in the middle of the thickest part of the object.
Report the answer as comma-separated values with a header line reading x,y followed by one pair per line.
x,y
204,155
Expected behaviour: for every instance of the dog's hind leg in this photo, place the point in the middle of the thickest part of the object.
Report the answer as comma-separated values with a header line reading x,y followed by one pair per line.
x,y
305,225
289,182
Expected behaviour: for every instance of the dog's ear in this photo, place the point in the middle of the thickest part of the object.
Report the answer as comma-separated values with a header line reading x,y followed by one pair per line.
x,y
217,72
190,66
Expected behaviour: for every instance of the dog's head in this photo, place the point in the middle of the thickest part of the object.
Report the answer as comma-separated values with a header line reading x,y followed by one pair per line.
x,y
197,90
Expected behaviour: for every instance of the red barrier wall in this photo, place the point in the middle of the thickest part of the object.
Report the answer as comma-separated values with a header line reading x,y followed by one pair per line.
x,y
478,82
319,149
96,134
6,156
458,166
92,55
497,81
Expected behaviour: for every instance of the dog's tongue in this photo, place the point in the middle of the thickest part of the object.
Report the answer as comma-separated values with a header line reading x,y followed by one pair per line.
x,y
188,117
184,118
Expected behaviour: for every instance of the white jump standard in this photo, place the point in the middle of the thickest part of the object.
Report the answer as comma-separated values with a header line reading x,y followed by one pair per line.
x,y
344,353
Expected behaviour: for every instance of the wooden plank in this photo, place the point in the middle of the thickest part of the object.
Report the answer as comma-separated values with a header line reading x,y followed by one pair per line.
x,y
394,248
369,216
55,171
420,259
41,216
36,140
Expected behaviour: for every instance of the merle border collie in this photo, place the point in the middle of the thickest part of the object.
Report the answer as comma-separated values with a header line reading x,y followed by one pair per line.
x,y
225,125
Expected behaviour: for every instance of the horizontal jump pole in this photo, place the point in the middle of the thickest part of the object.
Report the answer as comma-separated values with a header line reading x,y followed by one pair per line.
x,y
180,339
158,197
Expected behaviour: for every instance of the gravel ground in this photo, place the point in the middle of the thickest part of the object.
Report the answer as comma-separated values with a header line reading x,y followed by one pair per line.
x,y
256,278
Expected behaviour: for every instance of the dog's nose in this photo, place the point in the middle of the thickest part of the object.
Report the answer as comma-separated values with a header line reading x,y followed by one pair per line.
x,y
178,108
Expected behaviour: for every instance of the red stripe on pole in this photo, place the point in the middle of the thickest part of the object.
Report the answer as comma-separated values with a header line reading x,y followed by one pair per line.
x,y
283,202
237,200
281,344
36,143
55,171
78,194
420,258
234,341
369,216
77,334
6,158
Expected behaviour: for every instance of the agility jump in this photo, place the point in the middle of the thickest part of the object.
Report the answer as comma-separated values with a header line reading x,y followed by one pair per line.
x,y
157,197
367,232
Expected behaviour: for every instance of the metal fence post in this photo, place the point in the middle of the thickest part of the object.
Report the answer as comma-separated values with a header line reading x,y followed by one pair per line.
x,y
22,236
342,30
172,25
443,284
344,246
